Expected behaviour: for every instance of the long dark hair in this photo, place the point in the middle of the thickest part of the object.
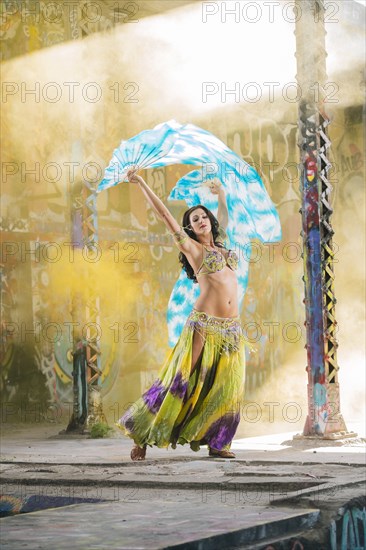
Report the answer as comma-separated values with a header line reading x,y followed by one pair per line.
x,y
188,228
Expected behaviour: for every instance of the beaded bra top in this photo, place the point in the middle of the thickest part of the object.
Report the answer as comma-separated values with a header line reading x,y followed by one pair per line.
x,y
216,261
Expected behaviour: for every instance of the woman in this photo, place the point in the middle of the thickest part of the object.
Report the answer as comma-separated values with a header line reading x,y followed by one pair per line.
x,y
197,395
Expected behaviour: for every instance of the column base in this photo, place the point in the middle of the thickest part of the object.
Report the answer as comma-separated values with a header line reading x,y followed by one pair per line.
x,y
334,429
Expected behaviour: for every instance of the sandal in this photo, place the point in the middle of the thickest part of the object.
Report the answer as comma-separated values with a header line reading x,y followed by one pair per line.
x,y
221,454
138,453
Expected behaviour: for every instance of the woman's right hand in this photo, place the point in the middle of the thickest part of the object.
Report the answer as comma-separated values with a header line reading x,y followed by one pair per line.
x,y
132,177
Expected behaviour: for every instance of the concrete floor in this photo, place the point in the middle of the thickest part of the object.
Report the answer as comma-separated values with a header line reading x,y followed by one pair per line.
x,y
276,489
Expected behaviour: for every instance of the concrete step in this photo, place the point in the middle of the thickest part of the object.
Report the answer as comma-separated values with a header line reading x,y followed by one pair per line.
x,y
152,526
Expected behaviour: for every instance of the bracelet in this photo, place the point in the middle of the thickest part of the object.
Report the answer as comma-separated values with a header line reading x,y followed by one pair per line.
x,y
180,236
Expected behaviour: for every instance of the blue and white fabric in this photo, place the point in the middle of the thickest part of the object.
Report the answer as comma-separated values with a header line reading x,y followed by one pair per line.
x,y
252,214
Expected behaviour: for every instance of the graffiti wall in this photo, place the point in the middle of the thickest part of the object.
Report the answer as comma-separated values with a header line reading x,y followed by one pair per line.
x,y
72,94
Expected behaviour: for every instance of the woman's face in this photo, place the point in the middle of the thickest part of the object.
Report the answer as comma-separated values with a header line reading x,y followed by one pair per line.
x,y
200,222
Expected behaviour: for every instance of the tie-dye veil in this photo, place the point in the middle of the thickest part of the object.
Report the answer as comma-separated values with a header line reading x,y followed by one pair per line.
x,y
252,214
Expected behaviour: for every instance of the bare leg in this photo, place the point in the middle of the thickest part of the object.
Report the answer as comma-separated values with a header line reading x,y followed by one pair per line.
x,y
138,453
197,346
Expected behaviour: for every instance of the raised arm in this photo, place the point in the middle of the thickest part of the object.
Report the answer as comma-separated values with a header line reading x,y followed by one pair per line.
x,y
217,188
182,240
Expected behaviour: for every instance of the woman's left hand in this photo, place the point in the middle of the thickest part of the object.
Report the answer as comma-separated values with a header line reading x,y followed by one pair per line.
x,y
215,186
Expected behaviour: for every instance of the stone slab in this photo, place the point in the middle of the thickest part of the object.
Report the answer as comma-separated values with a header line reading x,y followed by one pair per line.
x,y
141,525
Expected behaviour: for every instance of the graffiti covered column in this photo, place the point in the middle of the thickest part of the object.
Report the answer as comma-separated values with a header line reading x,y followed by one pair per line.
x,y
87,360
324,417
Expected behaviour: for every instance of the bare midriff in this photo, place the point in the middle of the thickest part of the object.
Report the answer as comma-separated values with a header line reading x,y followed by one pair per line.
x,y
218,295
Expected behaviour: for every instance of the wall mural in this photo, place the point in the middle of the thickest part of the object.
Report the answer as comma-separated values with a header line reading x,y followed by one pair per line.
x,y
36,214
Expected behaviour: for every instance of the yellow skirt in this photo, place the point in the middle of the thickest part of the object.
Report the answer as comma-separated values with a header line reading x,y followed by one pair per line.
x,y
199,408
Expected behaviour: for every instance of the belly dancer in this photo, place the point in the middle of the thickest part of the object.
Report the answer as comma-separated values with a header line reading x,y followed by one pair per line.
x,y
197,395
